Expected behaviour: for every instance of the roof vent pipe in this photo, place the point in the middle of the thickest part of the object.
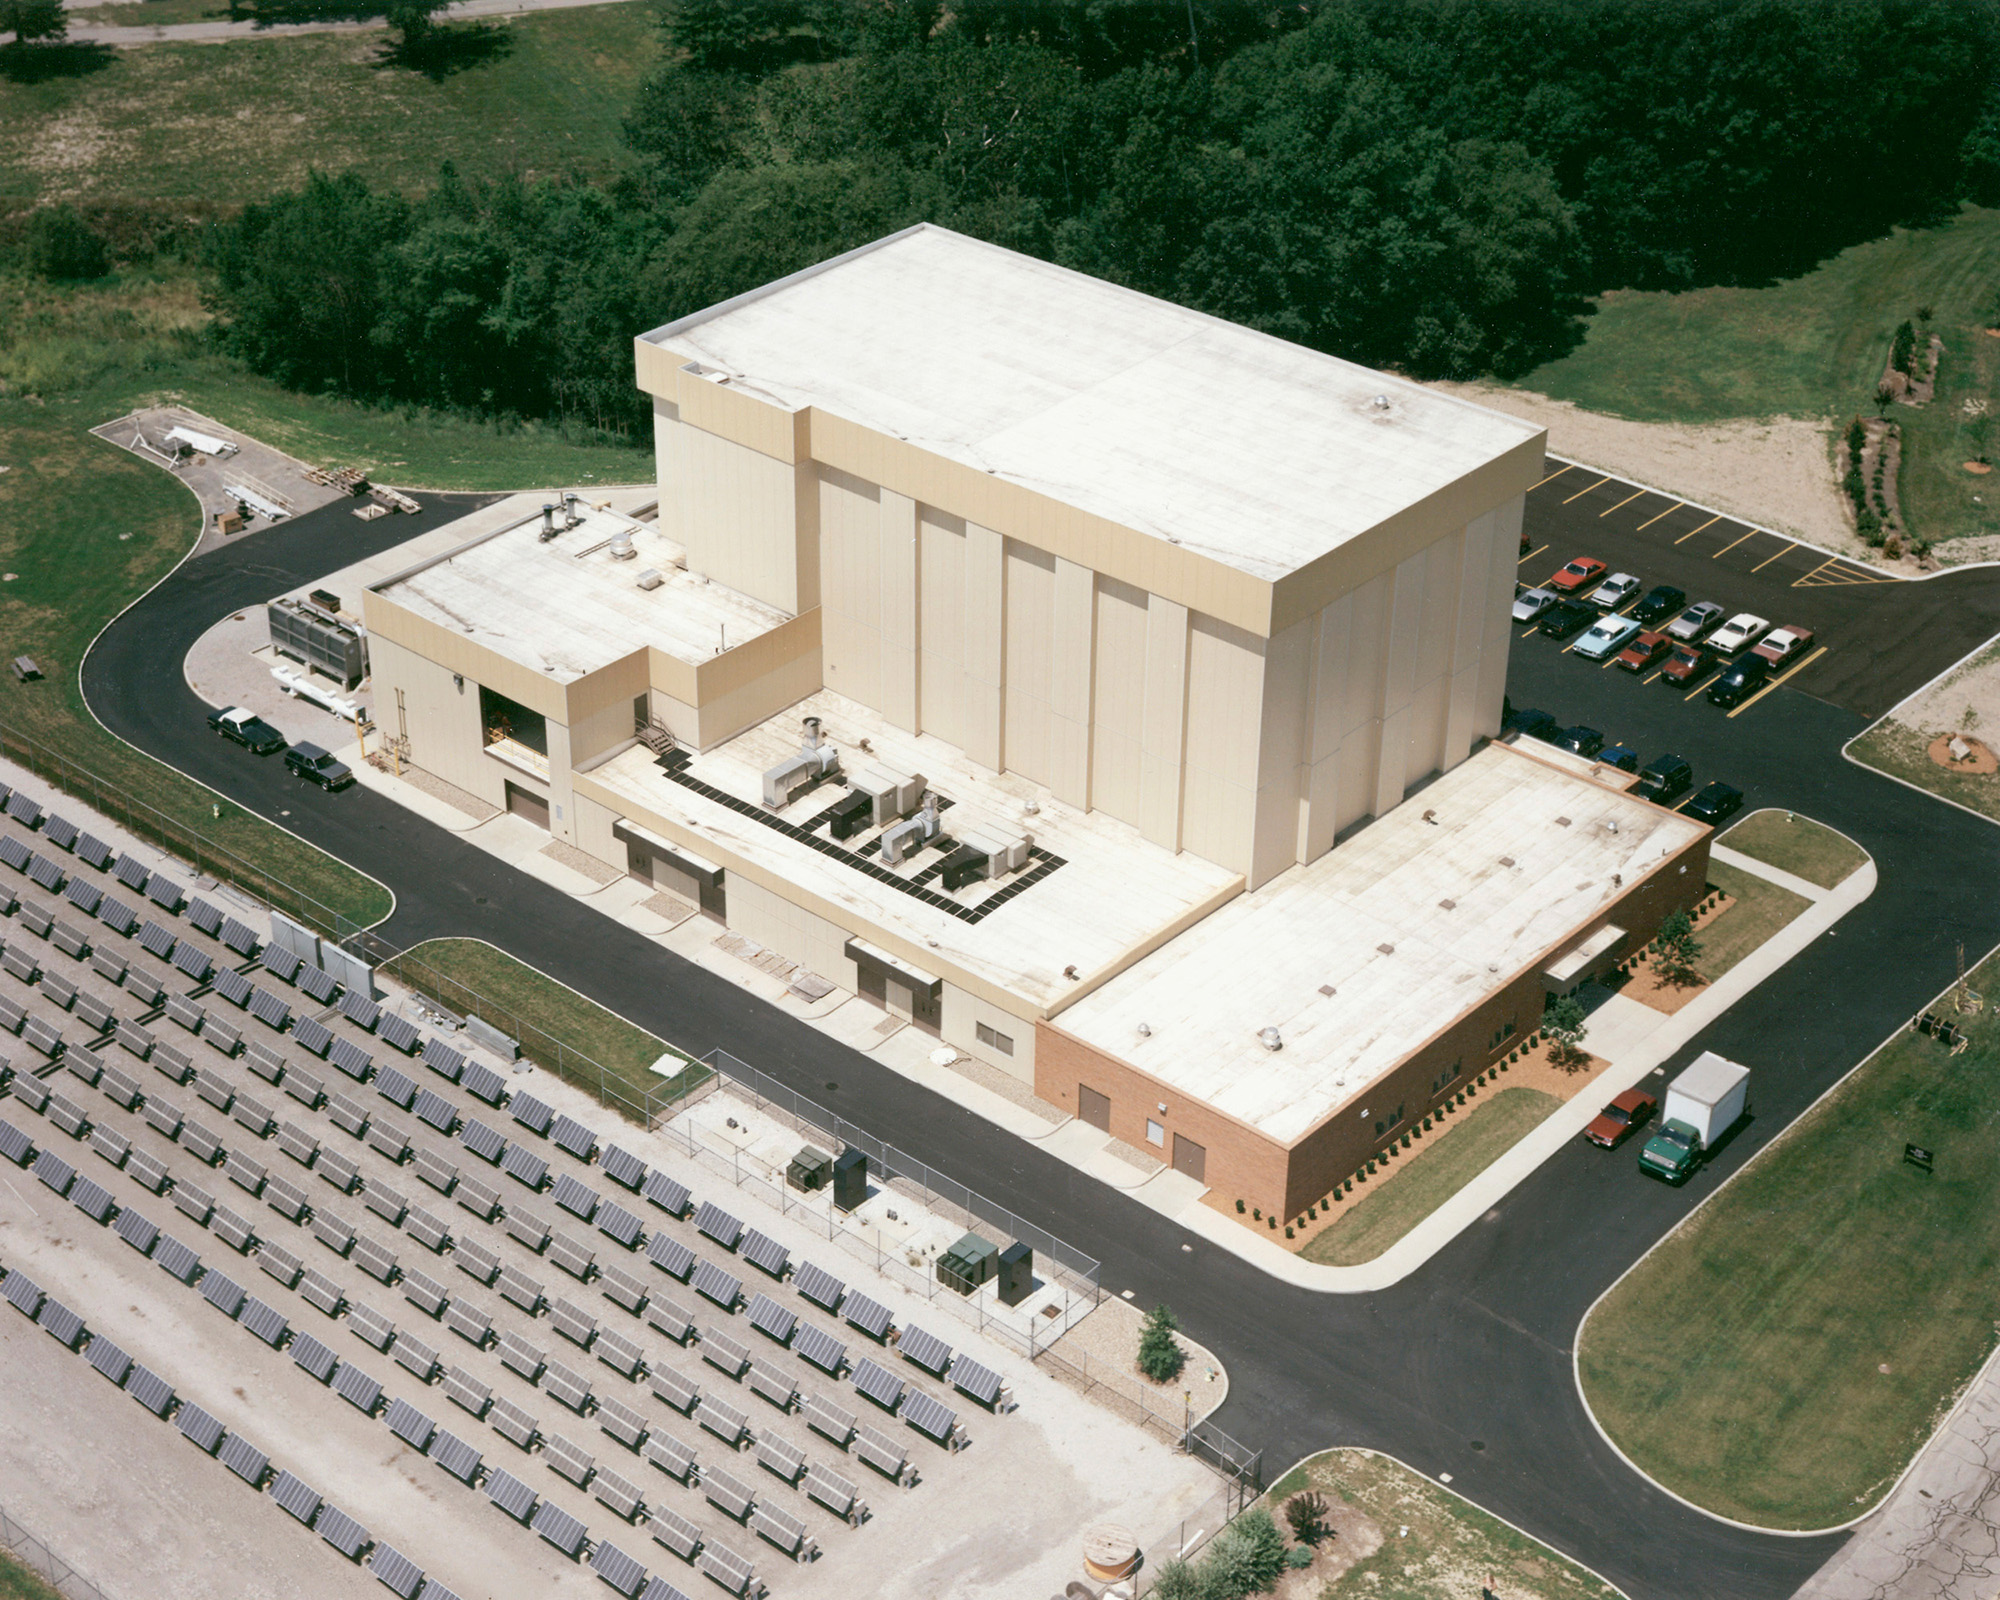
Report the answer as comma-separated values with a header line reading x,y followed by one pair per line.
x,y
570,518
1269,1038
812,733
548,522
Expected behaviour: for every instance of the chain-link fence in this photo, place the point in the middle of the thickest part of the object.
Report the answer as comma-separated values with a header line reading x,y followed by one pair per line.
x,y
39,1559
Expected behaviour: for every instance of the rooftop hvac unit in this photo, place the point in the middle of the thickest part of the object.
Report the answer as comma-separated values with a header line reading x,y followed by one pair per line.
x,y
651,578
891,794
311,634
1005,849
907,838
792,776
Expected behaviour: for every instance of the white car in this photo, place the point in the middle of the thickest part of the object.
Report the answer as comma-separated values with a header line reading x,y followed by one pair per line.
x,y
1607,636
1613,592
1531,605
1738,634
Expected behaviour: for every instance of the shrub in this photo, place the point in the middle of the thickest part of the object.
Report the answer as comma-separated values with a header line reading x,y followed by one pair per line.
x,y
1179,1581
1299,1556
1305,1515
61,244
1288,1230
1160,1354
1239,1208
1857,441
1245,1558
1902,353
1256,1214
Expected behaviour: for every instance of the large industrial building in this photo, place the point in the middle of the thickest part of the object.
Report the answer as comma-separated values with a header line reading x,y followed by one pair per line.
x,y
1051,665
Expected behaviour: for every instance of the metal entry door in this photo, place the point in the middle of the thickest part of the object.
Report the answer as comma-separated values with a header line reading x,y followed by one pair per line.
x,y
1093,1107
1190,1158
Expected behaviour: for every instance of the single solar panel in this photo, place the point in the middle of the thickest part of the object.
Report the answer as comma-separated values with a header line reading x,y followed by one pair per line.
x,y
156,940
819,1347
398,1035
267,1063
673,1456
482,1141
718,1224
244,1459
176,1259
204,916
929,1415
60,1323
415,1357
108,1143
514,1423
573,1322
305,1088
433,1590
660,1589
519,1289
622,1167
622,1288
511,1495
469,1322
276,1262
456,1457
428,1230
674,1387
765,1253
150,1390
60,831
201,1429
679,1535
268,1009
558,1527
621,1494
878,1384
724,1353
223,1292
357,1388
531,1113
390,1140
619,1353
712,1283
870,1316
881,1452
775,1386
396,1088
239,937
351,1059
396,1571
267,1322
833,1491
93,851
194,961
443,1060
84,895
574,1137
425,1293
409,1424
977,1382
318,984
618,1569
341,1531
623,1423
476,1261
664,1192
281,963
822,1288
363,1012
576,1198
467,1392
170,1061
670,1256
571,1388
725,1567
728,1492
233,987
484,1082
925,1349
524,1166
434,1170
322,1292
670,1317
15,1145
113,1362
12,851
572,1462
826,1418
387,1203
439,1112
310,1356
45,872
296,1497
771,1319
131,872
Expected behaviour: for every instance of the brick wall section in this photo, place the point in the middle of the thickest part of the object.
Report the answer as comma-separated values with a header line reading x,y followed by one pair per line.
x,y
1281,1181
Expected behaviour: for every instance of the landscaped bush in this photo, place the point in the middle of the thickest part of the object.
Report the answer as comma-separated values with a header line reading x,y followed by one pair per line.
x,y
1160,1354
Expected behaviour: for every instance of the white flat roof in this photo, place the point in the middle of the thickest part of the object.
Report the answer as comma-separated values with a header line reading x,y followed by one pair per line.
x,y
1113,893
1411,923
1243,447
568,607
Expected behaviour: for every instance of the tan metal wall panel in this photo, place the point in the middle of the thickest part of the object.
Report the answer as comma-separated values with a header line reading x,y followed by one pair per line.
x,y
1225,696
851,585
1163,746
738,515
900,553
1119,700
442,719
985,645
941,627
1029,661
1072,668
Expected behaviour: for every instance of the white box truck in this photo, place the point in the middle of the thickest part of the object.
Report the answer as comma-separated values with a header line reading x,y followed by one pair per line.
x,y
1703,1103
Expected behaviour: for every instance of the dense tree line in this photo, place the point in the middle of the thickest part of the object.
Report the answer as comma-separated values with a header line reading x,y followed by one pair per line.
x,y
1430,184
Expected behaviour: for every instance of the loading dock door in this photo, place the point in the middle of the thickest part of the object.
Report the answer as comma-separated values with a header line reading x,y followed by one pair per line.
x,y
1093,1107
1190,1158
526,803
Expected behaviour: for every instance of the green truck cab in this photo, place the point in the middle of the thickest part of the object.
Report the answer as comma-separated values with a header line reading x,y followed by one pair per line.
x,y
1708,1099
1672,1152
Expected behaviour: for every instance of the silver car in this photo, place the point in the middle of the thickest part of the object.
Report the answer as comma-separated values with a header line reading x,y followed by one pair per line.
x,y
1613,592
1693,623
1531,605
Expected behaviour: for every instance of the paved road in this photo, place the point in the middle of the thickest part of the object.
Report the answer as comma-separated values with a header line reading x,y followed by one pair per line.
x,y
1464,1368
219,30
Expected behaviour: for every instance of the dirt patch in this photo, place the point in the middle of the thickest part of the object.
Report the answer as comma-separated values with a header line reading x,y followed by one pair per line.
x,y
1978,759
1777,472
1980,467
1354,1537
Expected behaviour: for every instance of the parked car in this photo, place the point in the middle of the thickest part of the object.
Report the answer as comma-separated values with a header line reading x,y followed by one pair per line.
x,y
1782,646
1614,591
1612,1126
1532,604
1606,637
318,766
1738,681
1738,634
1694,623
1621,756
1567,618
1715,805
1686,664
1660,603
1576,575
1664,778
1581,741
1535,724
245,728
1643,651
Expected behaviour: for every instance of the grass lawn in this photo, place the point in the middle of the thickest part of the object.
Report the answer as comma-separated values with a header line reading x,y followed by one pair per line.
x,y
148,13
1902,752
1761,909
19,1582
1814,346
1424,1182
576,1036
1785,1352
84,527
230,122
1450,1548
1797,845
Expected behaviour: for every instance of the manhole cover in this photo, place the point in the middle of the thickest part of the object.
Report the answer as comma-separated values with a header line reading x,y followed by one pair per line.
x,y
1479,1444
831,1086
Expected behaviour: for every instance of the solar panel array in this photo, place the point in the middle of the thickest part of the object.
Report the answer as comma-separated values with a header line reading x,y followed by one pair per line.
x,y
622,1167
878,1384
765,1253
718,1224
771,1319
925,1349
822,1288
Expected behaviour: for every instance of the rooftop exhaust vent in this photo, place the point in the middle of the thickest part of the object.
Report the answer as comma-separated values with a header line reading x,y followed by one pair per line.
x,y
1270,1039
651,578
622,548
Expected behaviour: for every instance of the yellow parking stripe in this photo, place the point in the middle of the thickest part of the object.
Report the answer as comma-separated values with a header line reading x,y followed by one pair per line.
x,y
1530,556
1601,482
1622,503
1551,478
1732,545
1683,539
1769,559
1705,682
1655,675
1666,513
1801,667
1800,583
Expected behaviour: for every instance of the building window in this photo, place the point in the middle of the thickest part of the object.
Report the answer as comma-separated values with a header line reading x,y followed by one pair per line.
x,y
995,1040
1501,1035
1447,1075
1155,1134
1384,1124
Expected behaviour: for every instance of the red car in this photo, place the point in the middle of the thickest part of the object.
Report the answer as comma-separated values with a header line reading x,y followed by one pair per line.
x,y
1583,570
1614,1124
1784,645
1687,663
1643,651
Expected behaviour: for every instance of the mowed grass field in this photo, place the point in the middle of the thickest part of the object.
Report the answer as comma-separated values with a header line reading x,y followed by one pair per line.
x,y
1781,1356
1761,908
1797,845
1814,347
232,122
